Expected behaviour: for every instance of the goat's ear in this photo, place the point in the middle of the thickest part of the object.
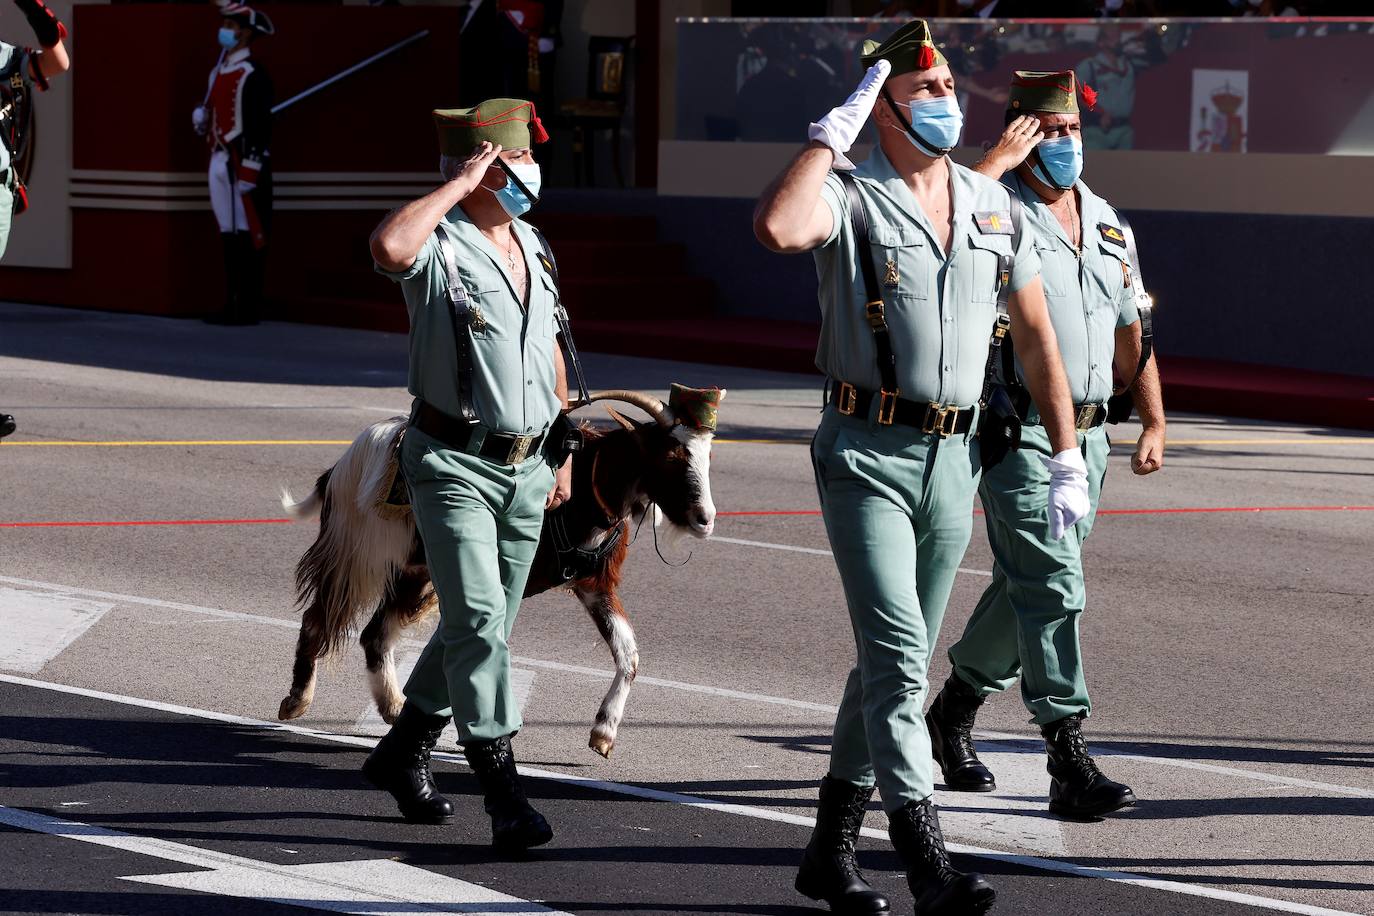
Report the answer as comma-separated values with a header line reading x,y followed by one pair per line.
x,y
618,418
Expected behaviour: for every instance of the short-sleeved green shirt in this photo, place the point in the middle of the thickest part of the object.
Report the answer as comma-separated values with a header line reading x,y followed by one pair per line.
x,y
1088,291
940,309
512,345
14,62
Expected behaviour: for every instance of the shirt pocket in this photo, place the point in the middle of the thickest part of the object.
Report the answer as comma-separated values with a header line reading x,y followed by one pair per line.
x,y
1114,278
901,261
987,252
1052,268
491,316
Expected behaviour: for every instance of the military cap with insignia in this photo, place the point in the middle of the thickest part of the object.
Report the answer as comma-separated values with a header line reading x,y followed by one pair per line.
x,y
511,123
696,408
248,17
1053,91
907,49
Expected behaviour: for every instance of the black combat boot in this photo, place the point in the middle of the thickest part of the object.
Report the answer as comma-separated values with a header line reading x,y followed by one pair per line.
x,y
515,825
828,871
939,889
1077,787
7,425
950,723
400,765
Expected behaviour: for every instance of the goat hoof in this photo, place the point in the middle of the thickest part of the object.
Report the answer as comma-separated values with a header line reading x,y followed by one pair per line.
x,y
292,708
390,712
603,741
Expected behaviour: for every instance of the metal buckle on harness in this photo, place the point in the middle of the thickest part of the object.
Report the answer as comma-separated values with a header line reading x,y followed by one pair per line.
x,y
849,399
874,312
1002,326
940,421
887,407
520,449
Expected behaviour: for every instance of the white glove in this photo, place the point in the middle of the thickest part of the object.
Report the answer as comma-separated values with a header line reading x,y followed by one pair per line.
x,y
840,128
200,119
1069,500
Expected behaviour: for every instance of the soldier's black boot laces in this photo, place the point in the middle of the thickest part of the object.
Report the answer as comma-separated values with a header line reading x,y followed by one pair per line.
x,y
1078,788
950,723
400,765
515,825
829,870
937,886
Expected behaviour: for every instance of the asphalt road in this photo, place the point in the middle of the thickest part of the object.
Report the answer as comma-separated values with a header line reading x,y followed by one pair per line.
x,y
1228,654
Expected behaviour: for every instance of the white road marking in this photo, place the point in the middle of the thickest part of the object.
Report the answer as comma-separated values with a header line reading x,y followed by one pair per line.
x,y
1014,814
370,722
39,625
1333,788
376,887
765,814
816,551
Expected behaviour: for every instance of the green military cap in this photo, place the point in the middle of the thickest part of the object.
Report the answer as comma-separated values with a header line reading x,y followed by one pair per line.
x,y
696,408
1047,90
510,122
907,49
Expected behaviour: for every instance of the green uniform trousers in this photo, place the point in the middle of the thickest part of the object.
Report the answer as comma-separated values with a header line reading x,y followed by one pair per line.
x,y
1026,623
898,510
480,524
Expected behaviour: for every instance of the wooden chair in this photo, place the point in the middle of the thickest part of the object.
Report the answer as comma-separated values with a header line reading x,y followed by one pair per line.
x,y
608,68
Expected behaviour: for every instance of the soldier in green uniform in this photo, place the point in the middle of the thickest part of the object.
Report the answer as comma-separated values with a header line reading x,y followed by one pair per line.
x,y
1026,624
488,380
895,456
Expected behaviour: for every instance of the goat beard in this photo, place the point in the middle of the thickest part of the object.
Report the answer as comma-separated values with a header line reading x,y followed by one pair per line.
x,y
670,534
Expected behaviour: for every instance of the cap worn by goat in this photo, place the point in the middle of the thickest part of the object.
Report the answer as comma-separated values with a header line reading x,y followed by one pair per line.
x,y
696,408
248,17
1053,91
511,123
907,49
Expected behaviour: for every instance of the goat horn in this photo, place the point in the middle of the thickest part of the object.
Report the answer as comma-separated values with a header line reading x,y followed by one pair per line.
x,y
645,402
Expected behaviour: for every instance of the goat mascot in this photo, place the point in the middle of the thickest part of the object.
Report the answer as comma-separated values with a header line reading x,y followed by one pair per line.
x,y
368,561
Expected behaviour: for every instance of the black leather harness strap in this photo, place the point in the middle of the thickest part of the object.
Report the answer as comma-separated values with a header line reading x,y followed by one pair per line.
x,y
460,316
571,561
1000,352
1143,304
560,314
873,301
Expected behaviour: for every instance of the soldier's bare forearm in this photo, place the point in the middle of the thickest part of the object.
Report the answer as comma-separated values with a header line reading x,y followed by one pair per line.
x,y
1147,396
1038,349
397,240
790,215
54,61
560,375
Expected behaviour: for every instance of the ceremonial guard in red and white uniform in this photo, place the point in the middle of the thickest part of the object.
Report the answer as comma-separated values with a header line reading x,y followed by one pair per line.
x,y
237,121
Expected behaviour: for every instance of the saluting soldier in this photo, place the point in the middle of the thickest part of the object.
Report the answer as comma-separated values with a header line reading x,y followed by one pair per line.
x,y
1026,624
895,456
237,119
21,69
488,382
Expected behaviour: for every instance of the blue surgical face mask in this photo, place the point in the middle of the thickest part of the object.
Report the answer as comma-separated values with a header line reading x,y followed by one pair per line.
x,y
510,197
228,38
937,124
1062,158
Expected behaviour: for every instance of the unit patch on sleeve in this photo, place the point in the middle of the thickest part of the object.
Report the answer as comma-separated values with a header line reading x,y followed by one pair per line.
x,y
1112,234
993,222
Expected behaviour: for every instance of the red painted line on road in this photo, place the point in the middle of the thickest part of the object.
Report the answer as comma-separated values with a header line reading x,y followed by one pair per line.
x,y
1162,511
151,522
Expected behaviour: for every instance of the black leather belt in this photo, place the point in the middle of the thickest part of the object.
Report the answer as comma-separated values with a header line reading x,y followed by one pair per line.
x,y
1085,416
474,438
936,419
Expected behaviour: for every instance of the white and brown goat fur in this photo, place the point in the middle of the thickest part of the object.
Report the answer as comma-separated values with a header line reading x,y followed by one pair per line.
x,y
367,562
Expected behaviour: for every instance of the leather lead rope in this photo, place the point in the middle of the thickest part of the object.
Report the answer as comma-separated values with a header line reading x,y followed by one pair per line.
x,y
459,313
873,299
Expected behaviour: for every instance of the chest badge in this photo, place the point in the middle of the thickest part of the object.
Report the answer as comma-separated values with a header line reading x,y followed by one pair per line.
x,y
1112,234
891,278
477,321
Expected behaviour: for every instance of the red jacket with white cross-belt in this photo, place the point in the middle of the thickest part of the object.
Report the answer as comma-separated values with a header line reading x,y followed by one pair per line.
x,y
241,113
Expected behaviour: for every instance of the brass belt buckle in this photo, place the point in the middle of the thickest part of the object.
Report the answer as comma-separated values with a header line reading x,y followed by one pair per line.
x,y
849,399
887,406
940,421
520,449
1086,414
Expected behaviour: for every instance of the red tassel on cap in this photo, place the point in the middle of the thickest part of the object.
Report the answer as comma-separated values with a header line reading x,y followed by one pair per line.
x,y
927,58
1089,96
537,132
